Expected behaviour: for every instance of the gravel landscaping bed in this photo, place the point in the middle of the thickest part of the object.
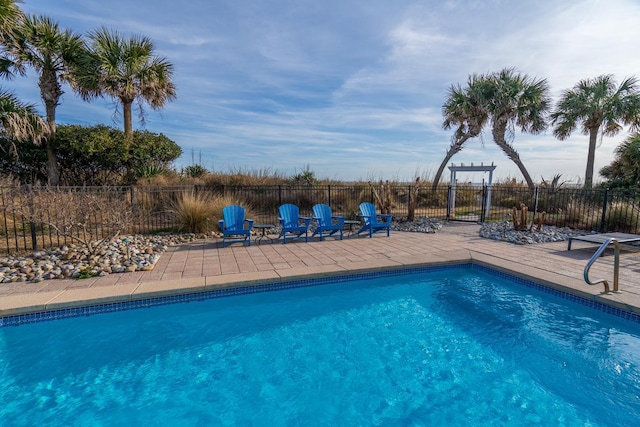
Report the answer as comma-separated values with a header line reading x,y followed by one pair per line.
x,y
127,254
420,225
504,231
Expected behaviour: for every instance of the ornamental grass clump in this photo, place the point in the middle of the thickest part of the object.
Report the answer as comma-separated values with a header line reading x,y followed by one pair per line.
x,y
199,213
192,212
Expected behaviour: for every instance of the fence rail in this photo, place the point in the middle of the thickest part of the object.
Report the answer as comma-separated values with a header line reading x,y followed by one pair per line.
x,y
33,218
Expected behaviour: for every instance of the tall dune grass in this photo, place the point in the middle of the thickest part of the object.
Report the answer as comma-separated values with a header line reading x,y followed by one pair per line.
x,y
199,213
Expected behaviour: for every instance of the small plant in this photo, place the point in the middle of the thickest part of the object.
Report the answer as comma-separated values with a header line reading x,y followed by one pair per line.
x,y
194,171
306,177
149,172
555,184
85,273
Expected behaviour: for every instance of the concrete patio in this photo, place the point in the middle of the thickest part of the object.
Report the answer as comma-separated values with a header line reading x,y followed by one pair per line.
x,y
205,265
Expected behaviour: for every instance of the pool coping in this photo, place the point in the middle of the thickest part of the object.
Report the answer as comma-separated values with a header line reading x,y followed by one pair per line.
x,y
44,303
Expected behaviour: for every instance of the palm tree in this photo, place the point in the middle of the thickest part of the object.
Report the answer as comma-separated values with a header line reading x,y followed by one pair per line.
x,y
516,100
127,71
52,52
19,121
10,18
625,168
600,108
506,99
465,110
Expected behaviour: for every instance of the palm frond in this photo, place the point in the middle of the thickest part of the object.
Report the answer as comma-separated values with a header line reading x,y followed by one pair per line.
x,y
20,121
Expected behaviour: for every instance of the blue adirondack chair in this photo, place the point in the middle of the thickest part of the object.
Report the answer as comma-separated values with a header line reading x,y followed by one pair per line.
x,y
233,225
372,222
293,223
327,223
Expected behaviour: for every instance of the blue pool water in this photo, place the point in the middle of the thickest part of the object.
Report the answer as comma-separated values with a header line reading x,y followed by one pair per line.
x,y
453,347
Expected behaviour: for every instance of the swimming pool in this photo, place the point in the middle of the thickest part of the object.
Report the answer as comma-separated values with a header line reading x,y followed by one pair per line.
x,y
439,347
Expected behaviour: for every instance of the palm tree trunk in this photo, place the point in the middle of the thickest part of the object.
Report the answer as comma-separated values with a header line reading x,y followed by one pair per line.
x,y
455,147
128,126
591,155
128,136
498,136
50,91
53,174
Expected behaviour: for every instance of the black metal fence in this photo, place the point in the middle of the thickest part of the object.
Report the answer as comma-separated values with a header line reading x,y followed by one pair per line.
x,y
33,218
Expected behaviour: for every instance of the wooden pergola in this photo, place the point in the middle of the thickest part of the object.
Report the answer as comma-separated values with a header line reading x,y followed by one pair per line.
x,y
471,168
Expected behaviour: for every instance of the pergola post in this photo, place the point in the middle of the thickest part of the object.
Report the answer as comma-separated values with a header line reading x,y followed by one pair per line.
x,y
452,199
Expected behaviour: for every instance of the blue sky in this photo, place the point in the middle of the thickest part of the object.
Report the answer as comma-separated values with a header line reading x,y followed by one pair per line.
x,y
352,88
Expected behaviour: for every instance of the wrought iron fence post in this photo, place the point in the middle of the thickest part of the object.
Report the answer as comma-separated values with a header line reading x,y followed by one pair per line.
x,y
449,203
485,194
329,194
487,207
32,214
133,209
535,202
409,193
604,210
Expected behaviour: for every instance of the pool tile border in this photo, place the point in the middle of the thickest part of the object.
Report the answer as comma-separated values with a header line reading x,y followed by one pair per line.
x,y
21,319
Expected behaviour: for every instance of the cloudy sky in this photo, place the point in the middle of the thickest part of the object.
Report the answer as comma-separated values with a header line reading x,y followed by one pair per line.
x,y
352,88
